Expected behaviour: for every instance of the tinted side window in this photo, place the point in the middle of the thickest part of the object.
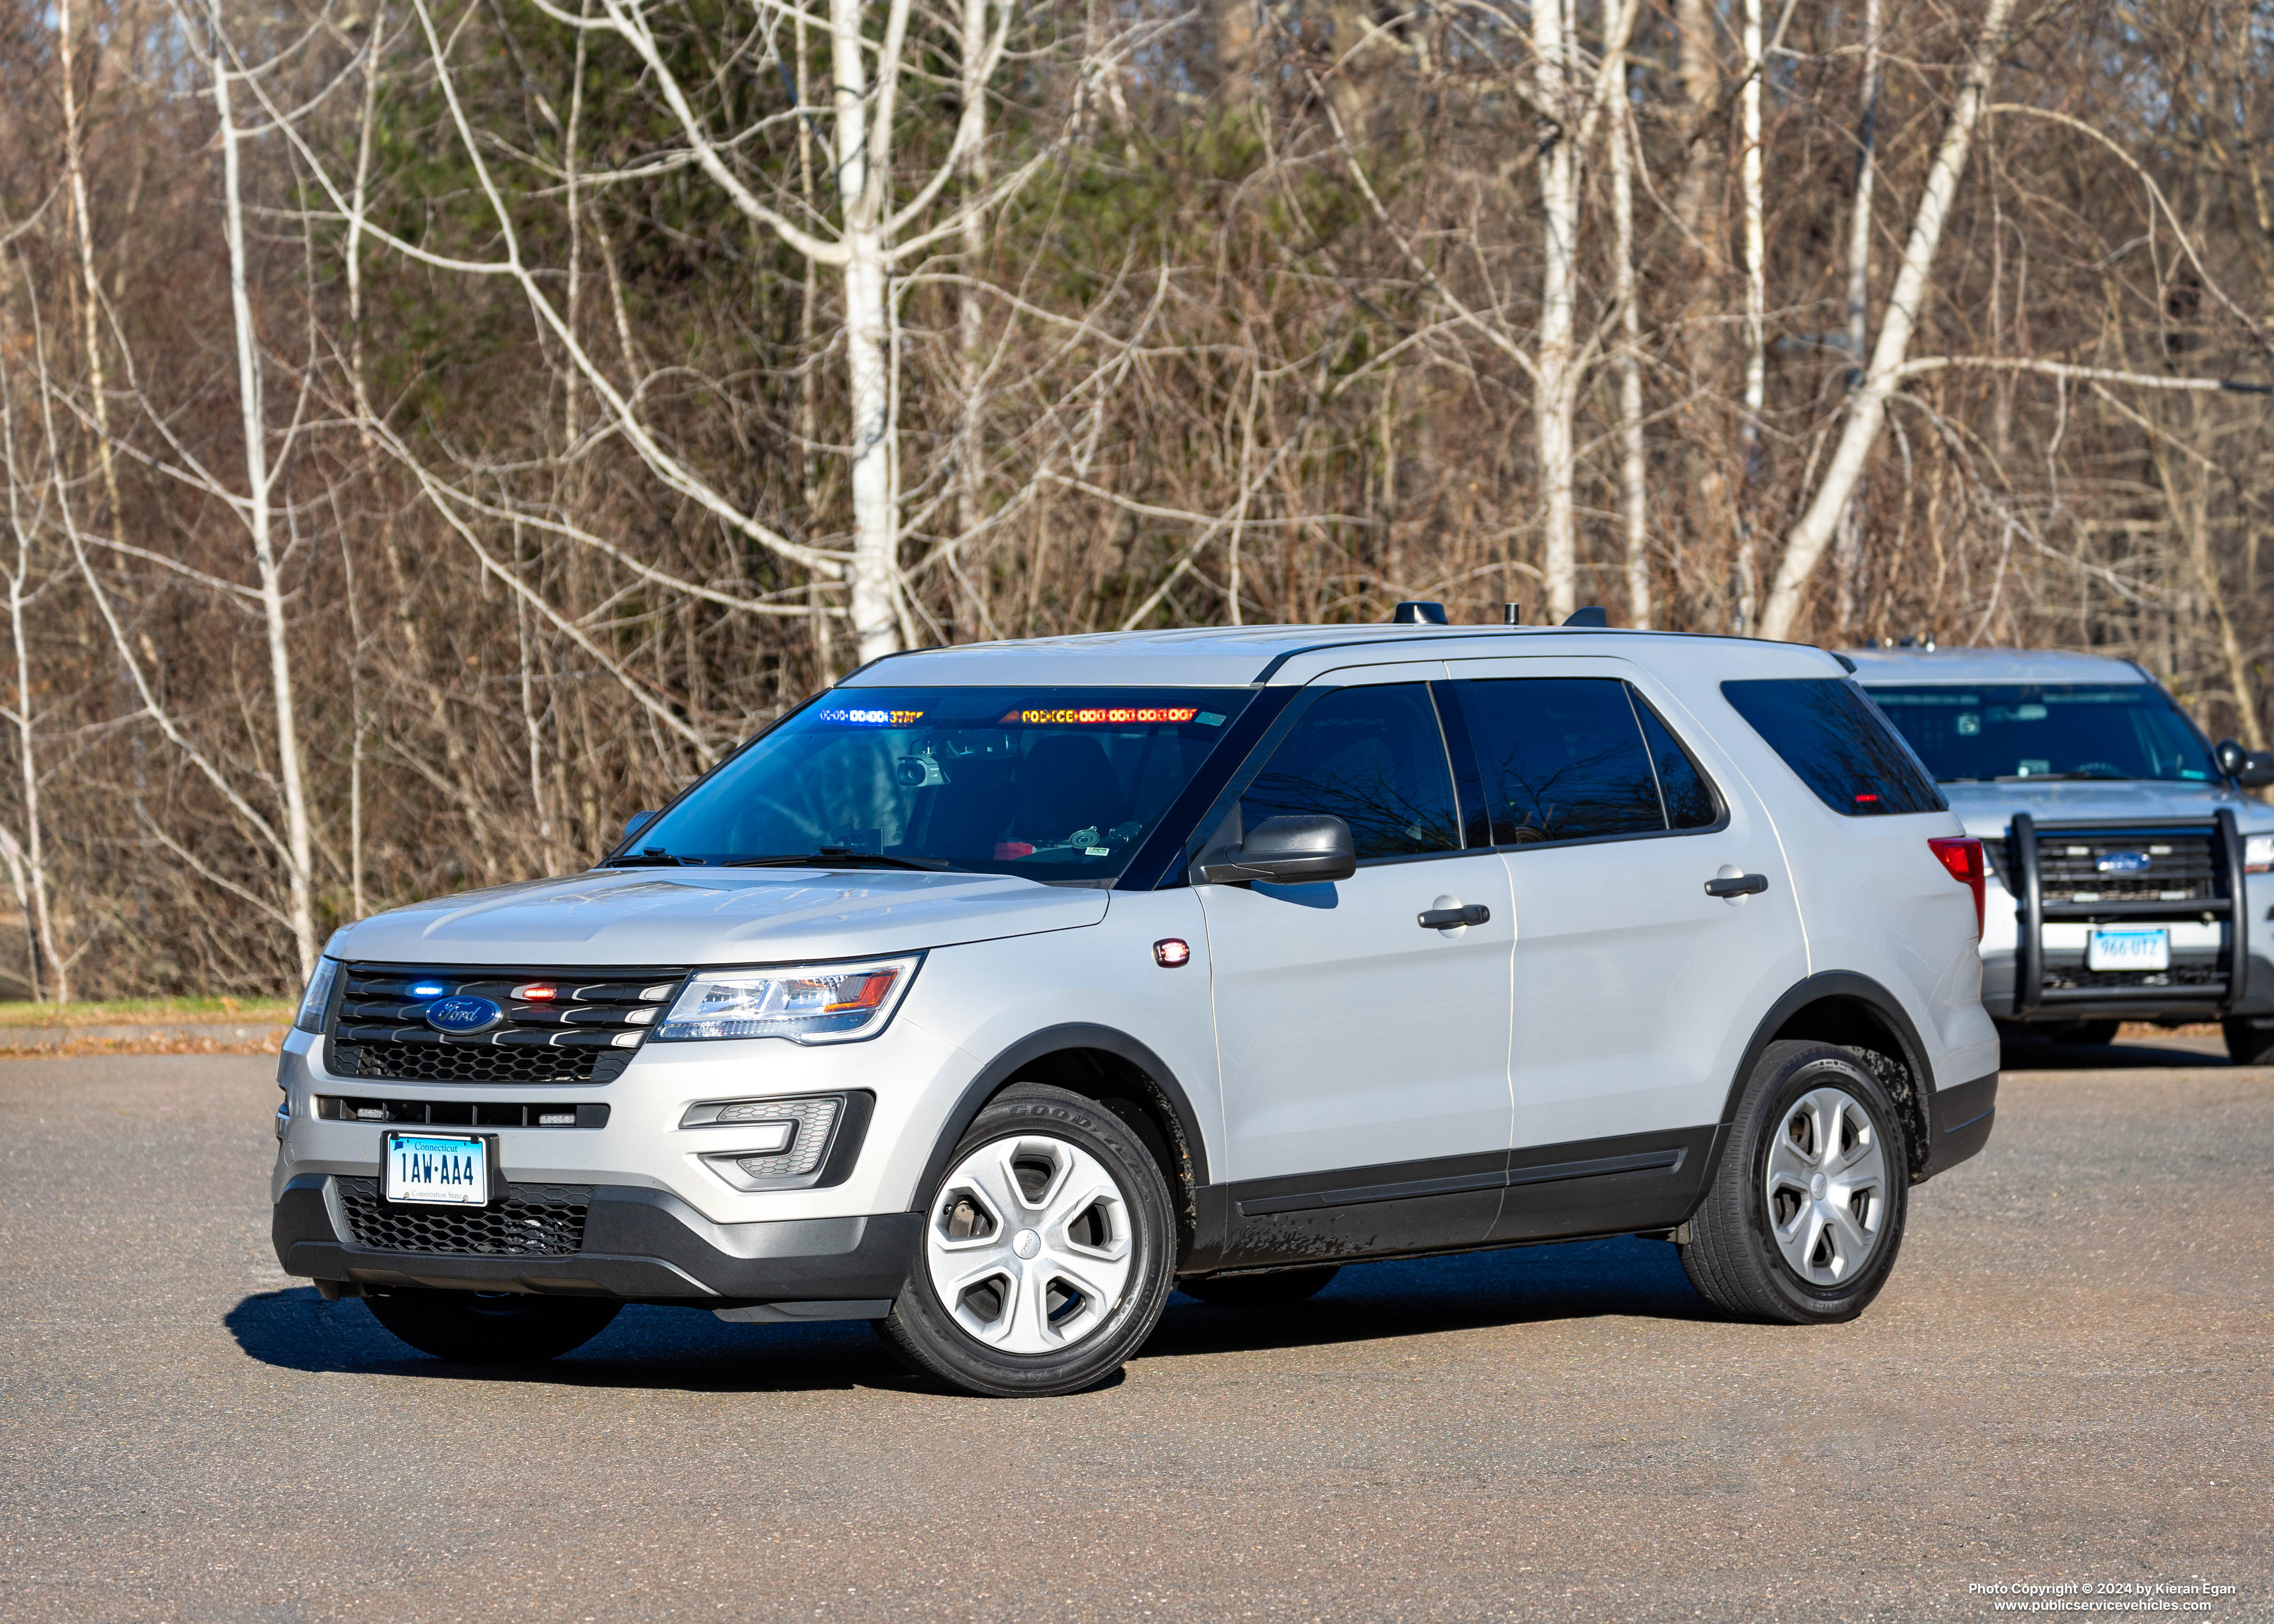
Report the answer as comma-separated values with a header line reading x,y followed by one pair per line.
x,y
1373,757
1838,742
1690,802
1566,758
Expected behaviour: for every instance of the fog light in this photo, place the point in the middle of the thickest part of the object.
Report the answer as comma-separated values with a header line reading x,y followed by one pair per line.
x,y
774,1141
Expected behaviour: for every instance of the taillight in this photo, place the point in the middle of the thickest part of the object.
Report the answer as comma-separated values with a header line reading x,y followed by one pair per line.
x,y
1961,855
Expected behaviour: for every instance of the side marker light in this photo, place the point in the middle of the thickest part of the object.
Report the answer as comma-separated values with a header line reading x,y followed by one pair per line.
x,y
1171,953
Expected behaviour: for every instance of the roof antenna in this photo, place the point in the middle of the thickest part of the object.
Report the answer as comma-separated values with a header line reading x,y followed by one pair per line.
x,y
1418,614
1592,616
1511,614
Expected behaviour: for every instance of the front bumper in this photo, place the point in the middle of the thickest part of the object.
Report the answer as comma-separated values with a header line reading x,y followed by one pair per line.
x,y
2256,997
638,1245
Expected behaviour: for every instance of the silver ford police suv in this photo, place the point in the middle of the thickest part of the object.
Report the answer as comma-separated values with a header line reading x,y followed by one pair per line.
x,y
2134,878
1002,989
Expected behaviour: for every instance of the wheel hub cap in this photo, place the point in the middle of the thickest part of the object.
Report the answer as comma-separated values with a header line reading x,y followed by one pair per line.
x,y
1824,1186
1029,1245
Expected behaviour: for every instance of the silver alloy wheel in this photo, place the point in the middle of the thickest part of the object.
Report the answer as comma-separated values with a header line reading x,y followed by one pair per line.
x,y
1029,1245
1827,1186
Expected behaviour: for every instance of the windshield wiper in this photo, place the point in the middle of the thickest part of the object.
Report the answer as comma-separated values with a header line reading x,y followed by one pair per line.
x,y
645,860
836,857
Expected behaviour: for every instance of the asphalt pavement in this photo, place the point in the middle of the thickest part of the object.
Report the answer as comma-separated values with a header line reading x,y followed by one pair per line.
x,y
2067,1382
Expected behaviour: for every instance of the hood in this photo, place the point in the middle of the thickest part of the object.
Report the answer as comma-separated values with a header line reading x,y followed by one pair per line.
x,y
1987,808
699,916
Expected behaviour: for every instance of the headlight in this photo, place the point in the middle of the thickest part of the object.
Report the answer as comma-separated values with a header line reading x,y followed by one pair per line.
x,y
2258,855
319,996
806,1004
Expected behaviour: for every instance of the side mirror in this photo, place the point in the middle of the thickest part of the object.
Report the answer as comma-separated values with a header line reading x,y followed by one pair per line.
x,y
2230,757
1285,851
636,822
2257,771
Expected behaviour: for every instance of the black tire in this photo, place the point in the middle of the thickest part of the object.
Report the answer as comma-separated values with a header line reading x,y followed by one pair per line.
x,y
502,1327
2085,1032
927,1333
1280,1288
2250,1042
1733,1254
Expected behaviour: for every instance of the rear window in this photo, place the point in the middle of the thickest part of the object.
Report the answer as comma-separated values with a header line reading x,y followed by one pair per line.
x,y
1838,742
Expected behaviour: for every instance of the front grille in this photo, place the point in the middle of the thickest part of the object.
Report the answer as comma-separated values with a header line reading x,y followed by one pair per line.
x,y
2183,865
586,1032
463,1112
534,1221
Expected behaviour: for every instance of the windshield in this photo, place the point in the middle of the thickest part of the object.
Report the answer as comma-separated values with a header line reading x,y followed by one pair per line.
x,y
2006,731
1055,784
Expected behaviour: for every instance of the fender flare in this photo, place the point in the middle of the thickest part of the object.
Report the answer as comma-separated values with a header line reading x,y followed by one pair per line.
x,y
1813,989
1049,1041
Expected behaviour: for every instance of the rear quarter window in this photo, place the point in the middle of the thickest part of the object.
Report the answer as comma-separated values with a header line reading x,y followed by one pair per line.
x,y
1838,743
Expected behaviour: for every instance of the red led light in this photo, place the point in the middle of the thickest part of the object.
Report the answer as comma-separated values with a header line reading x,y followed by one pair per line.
x,y
1171,952
537,992
1008,851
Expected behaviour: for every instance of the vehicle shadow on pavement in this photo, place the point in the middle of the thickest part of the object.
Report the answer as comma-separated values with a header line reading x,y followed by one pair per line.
x,y
688,1350
678,1348
2034,1054
1572,1280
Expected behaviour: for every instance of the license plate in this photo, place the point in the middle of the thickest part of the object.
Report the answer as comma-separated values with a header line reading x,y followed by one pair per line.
x,y
437,1169
2128,950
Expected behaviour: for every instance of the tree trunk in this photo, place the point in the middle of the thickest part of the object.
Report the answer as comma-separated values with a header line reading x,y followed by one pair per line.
x,y
1869,410
259,516
1749,427
1850,558
1632,466
868,338
1559,200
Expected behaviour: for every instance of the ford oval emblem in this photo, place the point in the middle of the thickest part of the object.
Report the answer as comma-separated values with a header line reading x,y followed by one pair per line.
x,y
2124,862
463,1014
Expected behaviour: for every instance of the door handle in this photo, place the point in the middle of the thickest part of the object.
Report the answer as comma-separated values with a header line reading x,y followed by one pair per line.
x,y
1742,885
1453,919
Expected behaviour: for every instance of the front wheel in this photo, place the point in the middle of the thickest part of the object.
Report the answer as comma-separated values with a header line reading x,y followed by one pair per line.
x,y
2250,1042
1047,1253
1806,1211
485,1327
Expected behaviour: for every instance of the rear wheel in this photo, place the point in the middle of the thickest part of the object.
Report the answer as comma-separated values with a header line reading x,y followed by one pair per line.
x,y
1281,1288
1806,1210
1047,1251
483,1327
2250,1042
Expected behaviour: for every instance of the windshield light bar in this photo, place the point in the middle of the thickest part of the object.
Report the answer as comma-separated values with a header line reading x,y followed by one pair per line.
x,y
1091,715
849,718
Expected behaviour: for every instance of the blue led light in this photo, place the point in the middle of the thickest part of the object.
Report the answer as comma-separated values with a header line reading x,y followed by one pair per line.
x,y
427,990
